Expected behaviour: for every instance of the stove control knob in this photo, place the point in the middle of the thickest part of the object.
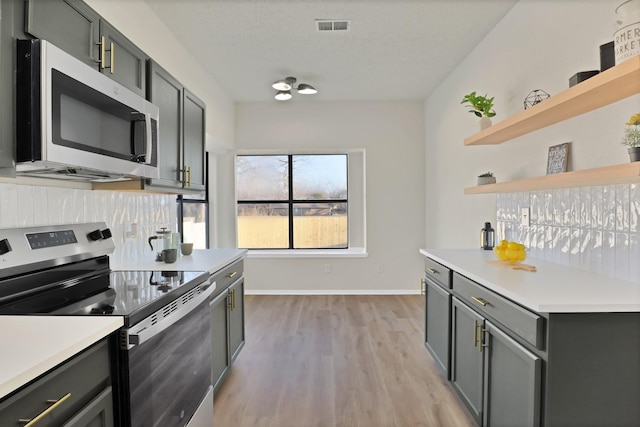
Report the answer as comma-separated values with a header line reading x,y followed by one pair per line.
x,y
95,235
4,246
106,233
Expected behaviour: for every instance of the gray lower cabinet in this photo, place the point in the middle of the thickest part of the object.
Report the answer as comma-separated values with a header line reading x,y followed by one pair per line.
x,y
227,320
220,359
76,28
467,356
512,381
438,325
75,394
512,366
236,318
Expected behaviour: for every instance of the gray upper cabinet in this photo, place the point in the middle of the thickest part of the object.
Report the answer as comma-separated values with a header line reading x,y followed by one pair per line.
x,y
77,29
166,92
194,141
7,101
71,25
181,134
123,61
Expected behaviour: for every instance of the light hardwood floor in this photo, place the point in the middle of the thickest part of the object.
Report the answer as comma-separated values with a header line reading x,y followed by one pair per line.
x,y
335,360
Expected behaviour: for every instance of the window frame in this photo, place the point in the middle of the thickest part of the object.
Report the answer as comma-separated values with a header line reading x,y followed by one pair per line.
x,y
356,197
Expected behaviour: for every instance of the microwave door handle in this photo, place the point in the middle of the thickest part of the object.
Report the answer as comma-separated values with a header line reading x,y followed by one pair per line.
x,y
148,138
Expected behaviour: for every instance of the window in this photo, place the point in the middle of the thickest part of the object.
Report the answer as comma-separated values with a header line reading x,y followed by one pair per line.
x,y
193,215
292,201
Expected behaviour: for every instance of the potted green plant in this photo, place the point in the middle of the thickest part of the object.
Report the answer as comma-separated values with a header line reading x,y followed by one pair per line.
x,y
486,178
632,137
481,106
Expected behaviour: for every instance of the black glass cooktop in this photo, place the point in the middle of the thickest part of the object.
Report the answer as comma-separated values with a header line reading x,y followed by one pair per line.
x,y
132,294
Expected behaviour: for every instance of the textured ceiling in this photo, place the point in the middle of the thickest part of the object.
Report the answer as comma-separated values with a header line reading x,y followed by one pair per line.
x,y
395,50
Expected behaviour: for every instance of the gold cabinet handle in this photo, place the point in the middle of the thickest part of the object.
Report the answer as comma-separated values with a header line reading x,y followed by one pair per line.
x,y
480,301
423,287
188,176
432,271
113,59
102,53
232,275
233,299
230,299
41,415
477,335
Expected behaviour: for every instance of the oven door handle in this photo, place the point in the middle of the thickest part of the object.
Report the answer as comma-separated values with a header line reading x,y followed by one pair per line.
x,y
137,335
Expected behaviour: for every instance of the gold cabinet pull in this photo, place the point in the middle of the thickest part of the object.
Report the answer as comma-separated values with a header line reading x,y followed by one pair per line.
x,y
232,275
233,299
423,286
432,271
188,176
112,68
229,298
102,53
480,301
41,415
475,333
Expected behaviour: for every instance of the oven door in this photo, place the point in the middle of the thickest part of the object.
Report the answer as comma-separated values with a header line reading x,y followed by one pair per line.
x,y
169,363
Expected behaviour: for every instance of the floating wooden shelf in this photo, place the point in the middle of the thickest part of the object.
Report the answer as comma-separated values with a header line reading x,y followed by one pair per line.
x,y
614,84
608,175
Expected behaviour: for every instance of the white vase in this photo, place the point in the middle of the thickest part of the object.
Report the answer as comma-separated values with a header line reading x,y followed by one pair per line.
x,y
485,122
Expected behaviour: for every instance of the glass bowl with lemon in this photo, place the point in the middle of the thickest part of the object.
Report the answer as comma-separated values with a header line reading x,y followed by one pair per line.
x,y
511,252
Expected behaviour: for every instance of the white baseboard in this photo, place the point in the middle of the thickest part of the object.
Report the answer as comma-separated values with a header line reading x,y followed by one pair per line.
x,y
332,292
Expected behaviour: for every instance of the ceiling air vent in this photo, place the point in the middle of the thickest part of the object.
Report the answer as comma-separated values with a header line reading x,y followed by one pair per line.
x,y
333,24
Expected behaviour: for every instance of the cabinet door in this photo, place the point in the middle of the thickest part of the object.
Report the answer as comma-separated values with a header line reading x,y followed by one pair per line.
x,y
97,413
123,61
467,356
512,382
71,25
438,325
166,92
220,360
194,141
236,318
7,107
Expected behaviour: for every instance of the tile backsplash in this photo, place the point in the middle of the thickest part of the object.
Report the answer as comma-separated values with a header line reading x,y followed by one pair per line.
x,y
33,205
590,228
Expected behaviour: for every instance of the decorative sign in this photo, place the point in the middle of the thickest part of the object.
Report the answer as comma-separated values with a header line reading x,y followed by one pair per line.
x,y
558,158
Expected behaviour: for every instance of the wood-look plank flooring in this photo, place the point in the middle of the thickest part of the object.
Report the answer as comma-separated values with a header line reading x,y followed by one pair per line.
x,y
335,360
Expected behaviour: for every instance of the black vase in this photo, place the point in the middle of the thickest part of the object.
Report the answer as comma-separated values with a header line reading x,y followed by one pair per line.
x,y
634,154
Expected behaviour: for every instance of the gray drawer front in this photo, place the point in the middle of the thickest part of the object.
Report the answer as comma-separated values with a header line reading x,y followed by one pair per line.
x,y
227,275
83,376
437,272
526,324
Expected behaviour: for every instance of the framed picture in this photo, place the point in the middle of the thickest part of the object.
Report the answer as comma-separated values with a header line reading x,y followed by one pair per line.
x,y
558,158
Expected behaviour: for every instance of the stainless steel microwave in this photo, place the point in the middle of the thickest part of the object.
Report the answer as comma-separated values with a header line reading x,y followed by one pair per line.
x,y
74,122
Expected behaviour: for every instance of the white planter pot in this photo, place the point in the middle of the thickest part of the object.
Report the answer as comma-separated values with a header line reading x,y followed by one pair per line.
x,y
485,122
483,180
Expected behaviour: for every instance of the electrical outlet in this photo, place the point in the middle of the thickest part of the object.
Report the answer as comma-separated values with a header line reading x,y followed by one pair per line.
x,y
524,216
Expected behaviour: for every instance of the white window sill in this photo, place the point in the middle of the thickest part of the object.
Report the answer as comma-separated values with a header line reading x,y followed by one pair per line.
x,y
308,253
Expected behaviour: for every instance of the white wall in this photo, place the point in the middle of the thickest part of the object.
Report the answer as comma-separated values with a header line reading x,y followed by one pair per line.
x,y
392,133
538,45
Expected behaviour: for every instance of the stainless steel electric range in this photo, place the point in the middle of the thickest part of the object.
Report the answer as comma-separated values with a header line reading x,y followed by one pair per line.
x,y
162,360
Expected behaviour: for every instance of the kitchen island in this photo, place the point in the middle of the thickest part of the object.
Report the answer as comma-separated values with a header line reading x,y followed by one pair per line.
x,y
554,347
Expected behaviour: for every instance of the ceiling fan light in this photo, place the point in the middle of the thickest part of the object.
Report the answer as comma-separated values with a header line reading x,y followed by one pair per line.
x,y
283,95
306,89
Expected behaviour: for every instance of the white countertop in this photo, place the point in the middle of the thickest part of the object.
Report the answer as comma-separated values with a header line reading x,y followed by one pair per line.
x,y
32,345
554,288
210,260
